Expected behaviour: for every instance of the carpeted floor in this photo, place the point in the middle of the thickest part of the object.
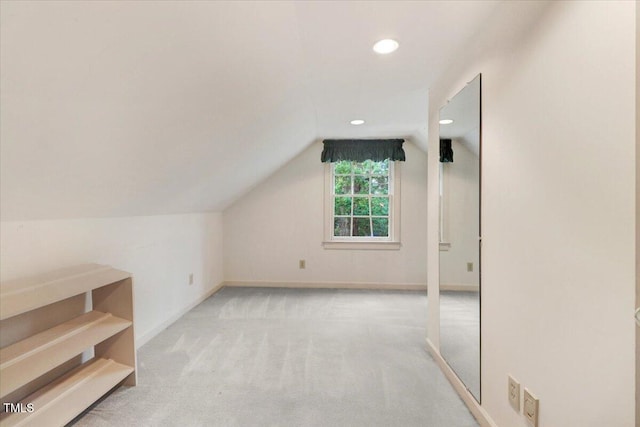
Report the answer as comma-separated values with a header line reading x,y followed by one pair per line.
x,y
290,357
460,336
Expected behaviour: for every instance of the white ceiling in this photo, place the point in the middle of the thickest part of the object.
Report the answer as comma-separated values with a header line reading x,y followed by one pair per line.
x,y
152,107
464,109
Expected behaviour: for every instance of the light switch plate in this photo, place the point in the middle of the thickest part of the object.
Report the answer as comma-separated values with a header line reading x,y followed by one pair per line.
x,y
531,408
514,393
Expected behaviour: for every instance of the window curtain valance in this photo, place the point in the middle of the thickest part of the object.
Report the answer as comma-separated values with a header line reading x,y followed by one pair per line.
x,y
359,150
446,152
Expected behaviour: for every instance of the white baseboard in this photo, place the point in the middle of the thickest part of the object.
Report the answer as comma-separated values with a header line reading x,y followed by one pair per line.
x,y
147,336
476,410
328,285
463,288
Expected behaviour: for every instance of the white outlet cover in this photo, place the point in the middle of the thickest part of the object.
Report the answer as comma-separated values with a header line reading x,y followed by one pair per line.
x,y
514,393
530,408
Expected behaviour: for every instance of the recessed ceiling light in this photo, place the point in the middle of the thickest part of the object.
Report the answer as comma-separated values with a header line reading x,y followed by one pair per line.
x,y
357,122
385,46
446,121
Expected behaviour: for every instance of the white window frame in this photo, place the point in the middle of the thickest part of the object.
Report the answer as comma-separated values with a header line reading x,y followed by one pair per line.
x,y
445,245
391,242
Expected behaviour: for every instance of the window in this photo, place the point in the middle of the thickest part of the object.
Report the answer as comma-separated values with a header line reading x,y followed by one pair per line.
x,y
361,199
362,205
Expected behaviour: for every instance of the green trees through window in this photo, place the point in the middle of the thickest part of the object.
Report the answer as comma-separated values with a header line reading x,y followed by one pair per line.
x,y
361,198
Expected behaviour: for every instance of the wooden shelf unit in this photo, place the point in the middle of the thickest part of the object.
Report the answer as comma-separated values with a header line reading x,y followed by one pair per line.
x,y
35,348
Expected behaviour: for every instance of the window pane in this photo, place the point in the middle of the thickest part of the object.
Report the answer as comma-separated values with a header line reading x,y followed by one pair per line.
x,y
361,198
361,206
380,227
379,185
342,185
361,227
342,167
342,227
360,185
342,206
380,168
380,206
362,168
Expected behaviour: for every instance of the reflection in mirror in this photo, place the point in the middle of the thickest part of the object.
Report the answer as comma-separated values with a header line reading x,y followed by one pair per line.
x,y
459,235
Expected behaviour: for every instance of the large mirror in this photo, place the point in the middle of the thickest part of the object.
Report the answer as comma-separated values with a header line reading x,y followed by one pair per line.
x,y
460,126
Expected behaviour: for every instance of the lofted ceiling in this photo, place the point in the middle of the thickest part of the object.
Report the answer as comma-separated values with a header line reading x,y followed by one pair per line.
x,y
114,108
464,110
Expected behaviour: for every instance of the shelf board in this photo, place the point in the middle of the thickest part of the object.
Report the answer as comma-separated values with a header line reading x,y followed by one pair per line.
x,y
20,296
32,357
65,398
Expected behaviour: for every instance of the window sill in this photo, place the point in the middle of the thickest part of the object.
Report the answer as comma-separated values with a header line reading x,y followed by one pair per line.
x,y
380,246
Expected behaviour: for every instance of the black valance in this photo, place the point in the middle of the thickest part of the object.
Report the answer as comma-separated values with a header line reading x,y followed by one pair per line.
x,y
359,150
446,152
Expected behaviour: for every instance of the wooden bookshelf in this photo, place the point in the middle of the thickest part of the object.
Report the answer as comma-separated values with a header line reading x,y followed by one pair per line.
x,y
30,363
63,399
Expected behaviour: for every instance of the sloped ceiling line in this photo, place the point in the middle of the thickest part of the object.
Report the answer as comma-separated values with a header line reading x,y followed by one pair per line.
x,y
159,107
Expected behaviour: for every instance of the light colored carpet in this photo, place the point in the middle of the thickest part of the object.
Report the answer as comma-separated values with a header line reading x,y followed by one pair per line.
x,y
460,336
290,357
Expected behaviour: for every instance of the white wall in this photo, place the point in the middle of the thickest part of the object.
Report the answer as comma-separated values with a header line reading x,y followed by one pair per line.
x,y
461,201
637,210
558,208
160,252
280,221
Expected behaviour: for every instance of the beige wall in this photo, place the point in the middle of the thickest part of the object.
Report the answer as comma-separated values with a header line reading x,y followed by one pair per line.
x,y
460,218
558,208
280,221
160,252
637,210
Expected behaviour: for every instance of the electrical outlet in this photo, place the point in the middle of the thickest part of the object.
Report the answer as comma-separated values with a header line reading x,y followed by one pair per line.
x,y
531,408
469,266
302,264
514,393
191,279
